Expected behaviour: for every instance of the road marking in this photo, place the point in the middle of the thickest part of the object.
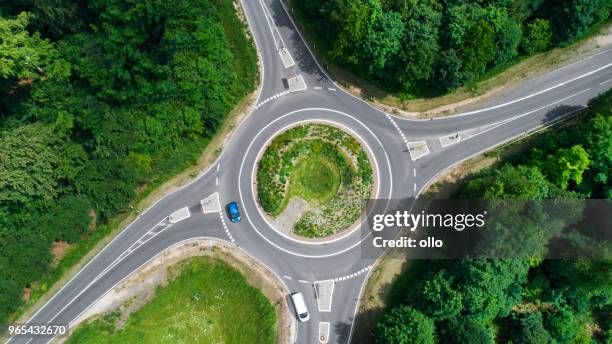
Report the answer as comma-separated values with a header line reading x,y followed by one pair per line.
x,y
227,231
533,94
354,274
217,181
511,138
71,324
179,215
297,83
272,21
218,166
350,131
498,124
323,332
449,139
417,149
288,277
397,128
269,25
324,292
605,82
286,58
318,87
302,281
414,172
269,99
118,260
331,89
211,204
414,188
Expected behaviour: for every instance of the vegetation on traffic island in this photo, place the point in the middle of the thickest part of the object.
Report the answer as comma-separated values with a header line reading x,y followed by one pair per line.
x,y
208,302
521,301
322,165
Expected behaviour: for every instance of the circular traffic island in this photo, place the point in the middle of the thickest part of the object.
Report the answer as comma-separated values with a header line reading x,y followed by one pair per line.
x,y
314,181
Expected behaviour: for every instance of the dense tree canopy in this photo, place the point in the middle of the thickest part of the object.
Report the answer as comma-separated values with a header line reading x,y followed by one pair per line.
x,y
400,44
98,98
406,325
530,299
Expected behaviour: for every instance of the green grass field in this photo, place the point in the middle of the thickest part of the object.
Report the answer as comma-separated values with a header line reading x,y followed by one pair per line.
x,y
209,302
315,179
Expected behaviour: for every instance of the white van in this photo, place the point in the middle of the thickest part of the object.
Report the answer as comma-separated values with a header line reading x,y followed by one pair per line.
x,y
300,306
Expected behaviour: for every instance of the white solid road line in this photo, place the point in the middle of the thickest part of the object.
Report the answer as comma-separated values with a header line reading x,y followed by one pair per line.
x,y
605,82
496,125
319,121
273,24
351,131
324,332
269,25
157,255
531,95
112,265
324,293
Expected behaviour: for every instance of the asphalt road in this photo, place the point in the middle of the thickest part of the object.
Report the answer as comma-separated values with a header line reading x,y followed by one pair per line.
x,y
532,104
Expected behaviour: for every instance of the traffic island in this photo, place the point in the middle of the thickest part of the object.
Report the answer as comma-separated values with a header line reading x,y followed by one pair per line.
x,y
314,180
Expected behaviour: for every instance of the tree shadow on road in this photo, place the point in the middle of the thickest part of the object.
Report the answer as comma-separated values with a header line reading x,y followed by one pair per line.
x,y
342,331
558,112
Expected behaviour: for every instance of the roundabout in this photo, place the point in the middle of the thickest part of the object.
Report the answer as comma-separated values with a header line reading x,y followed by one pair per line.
x,y
264,225
306,263
314,180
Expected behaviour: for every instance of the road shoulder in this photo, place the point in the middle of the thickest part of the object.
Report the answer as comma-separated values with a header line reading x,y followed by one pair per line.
x,y
139,287
207,159
467,97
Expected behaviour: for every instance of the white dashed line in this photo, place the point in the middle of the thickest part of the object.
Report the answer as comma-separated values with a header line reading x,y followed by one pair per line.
x,y
302,281
217,181
354,274
318,87
287,277
397,128
414,172
414,188
218,167
331,89
269,99
229,234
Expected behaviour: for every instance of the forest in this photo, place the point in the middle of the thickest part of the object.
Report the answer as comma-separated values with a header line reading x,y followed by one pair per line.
x,y
425,47
98,100
522,301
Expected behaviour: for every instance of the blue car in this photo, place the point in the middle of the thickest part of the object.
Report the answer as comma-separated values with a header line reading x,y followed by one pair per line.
x,y
233,212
